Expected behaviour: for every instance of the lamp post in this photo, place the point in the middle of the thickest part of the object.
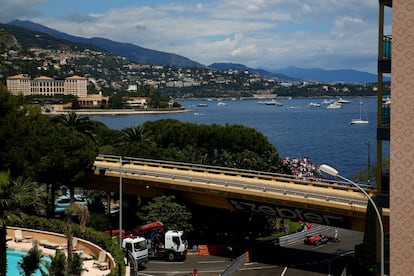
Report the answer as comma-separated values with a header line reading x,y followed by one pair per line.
x,y
369,161
120,202
331,171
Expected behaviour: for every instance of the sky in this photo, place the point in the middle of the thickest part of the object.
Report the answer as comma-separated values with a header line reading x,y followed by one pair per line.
x,y
266,34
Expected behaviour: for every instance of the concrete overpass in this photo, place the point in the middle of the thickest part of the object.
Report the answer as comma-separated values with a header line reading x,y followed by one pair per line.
x,y
313,200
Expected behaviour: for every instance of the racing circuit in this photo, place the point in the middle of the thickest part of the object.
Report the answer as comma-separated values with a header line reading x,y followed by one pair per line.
x,y
313,200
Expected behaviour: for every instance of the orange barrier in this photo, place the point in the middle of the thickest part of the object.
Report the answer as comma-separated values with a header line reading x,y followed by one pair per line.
x,y
208,249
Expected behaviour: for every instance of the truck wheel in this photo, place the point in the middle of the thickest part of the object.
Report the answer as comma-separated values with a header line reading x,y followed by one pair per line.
x,y
170,256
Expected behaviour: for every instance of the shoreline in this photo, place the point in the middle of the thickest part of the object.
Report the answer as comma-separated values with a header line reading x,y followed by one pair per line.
x,y
116,112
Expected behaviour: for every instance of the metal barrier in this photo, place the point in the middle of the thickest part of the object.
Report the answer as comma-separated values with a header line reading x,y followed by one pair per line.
x,y
299,236
239,262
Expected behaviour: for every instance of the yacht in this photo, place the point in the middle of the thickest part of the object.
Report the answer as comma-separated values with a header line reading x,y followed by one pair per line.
x,y
314,104
343,101
272,102
359,121
334,105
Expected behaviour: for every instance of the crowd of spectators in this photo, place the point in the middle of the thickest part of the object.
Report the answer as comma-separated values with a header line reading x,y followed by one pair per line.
x,y
301,167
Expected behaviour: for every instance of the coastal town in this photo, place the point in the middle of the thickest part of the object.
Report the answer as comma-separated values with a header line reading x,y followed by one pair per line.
x,y
109,75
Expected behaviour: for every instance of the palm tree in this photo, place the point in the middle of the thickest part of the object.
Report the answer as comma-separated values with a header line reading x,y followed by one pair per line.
x,y
136,134
80,124
57,265
31,262
84,126
15,195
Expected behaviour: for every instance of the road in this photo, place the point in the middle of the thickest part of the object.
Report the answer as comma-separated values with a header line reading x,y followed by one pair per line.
x,y
269,260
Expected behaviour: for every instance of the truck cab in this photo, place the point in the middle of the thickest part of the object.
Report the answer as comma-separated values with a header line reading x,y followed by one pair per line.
x,y
170,245
136,251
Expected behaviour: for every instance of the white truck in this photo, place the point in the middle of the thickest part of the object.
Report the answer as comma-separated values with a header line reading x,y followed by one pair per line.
x,y
170,245
136,252
156,244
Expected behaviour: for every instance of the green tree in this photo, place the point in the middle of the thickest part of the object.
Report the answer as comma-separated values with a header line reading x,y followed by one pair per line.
x,y
31,262
165,208
14,196
73,157
57,265
136,141
230,145
79,123
75,266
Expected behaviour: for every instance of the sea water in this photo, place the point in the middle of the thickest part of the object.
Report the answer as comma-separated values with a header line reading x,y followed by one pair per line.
x,y
295,128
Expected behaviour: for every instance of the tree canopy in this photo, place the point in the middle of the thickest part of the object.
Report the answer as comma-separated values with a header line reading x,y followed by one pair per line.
x,y
229,145
165,208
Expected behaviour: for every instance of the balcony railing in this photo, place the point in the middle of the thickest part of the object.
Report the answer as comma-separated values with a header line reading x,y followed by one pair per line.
x,y
386,47
386,115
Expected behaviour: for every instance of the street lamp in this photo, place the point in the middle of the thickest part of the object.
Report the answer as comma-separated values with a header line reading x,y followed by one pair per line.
x,y
369,161
120,202
331,171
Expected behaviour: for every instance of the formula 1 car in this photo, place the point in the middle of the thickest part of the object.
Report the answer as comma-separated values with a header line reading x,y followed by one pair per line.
x,y
316,239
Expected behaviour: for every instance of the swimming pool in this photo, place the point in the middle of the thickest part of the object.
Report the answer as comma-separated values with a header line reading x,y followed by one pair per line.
x,y
13,257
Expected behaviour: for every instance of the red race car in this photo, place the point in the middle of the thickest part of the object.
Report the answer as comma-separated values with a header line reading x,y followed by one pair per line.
x,y
316,239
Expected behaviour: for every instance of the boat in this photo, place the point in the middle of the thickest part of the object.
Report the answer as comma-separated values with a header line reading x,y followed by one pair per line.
x,y
334,105
314,104
221,104
272,102
202,105
359,121
343,101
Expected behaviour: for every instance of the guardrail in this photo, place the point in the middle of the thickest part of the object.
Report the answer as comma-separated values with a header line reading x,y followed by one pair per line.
x,y
299,236
239,262
179,171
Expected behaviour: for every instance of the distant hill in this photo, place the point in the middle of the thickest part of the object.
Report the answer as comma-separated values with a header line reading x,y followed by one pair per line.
x,y
322,75
147,56
29,38
263,73
128,50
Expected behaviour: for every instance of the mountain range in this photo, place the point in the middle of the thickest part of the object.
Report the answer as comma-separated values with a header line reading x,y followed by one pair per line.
x,y
147,56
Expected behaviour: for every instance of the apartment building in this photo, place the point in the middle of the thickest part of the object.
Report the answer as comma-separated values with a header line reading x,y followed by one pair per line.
x,y
401,188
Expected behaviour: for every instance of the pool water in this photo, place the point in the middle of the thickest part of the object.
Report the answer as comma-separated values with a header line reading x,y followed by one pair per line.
x,y
13,258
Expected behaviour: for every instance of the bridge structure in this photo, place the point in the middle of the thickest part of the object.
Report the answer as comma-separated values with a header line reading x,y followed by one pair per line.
x,y
314,200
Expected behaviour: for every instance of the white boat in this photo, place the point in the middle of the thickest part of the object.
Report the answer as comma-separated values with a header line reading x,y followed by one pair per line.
x,y
314,104
221,104
334,105
359,121
342,101
272,102
202,105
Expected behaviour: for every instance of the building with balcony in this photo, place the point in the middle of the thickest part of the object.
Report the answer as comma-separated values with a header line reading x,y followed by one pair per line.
x,y
401,132
46,86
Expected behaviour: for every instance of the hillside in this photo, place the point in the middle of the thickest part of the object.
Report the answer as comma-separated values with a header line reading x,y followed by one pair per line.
x,y
263,73
29,39
132,52
147,56
322,75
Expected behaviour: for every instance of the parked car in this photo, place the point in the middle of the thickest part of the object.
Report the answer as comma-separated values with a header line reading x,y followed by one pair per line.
x,y
63,202
316,239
